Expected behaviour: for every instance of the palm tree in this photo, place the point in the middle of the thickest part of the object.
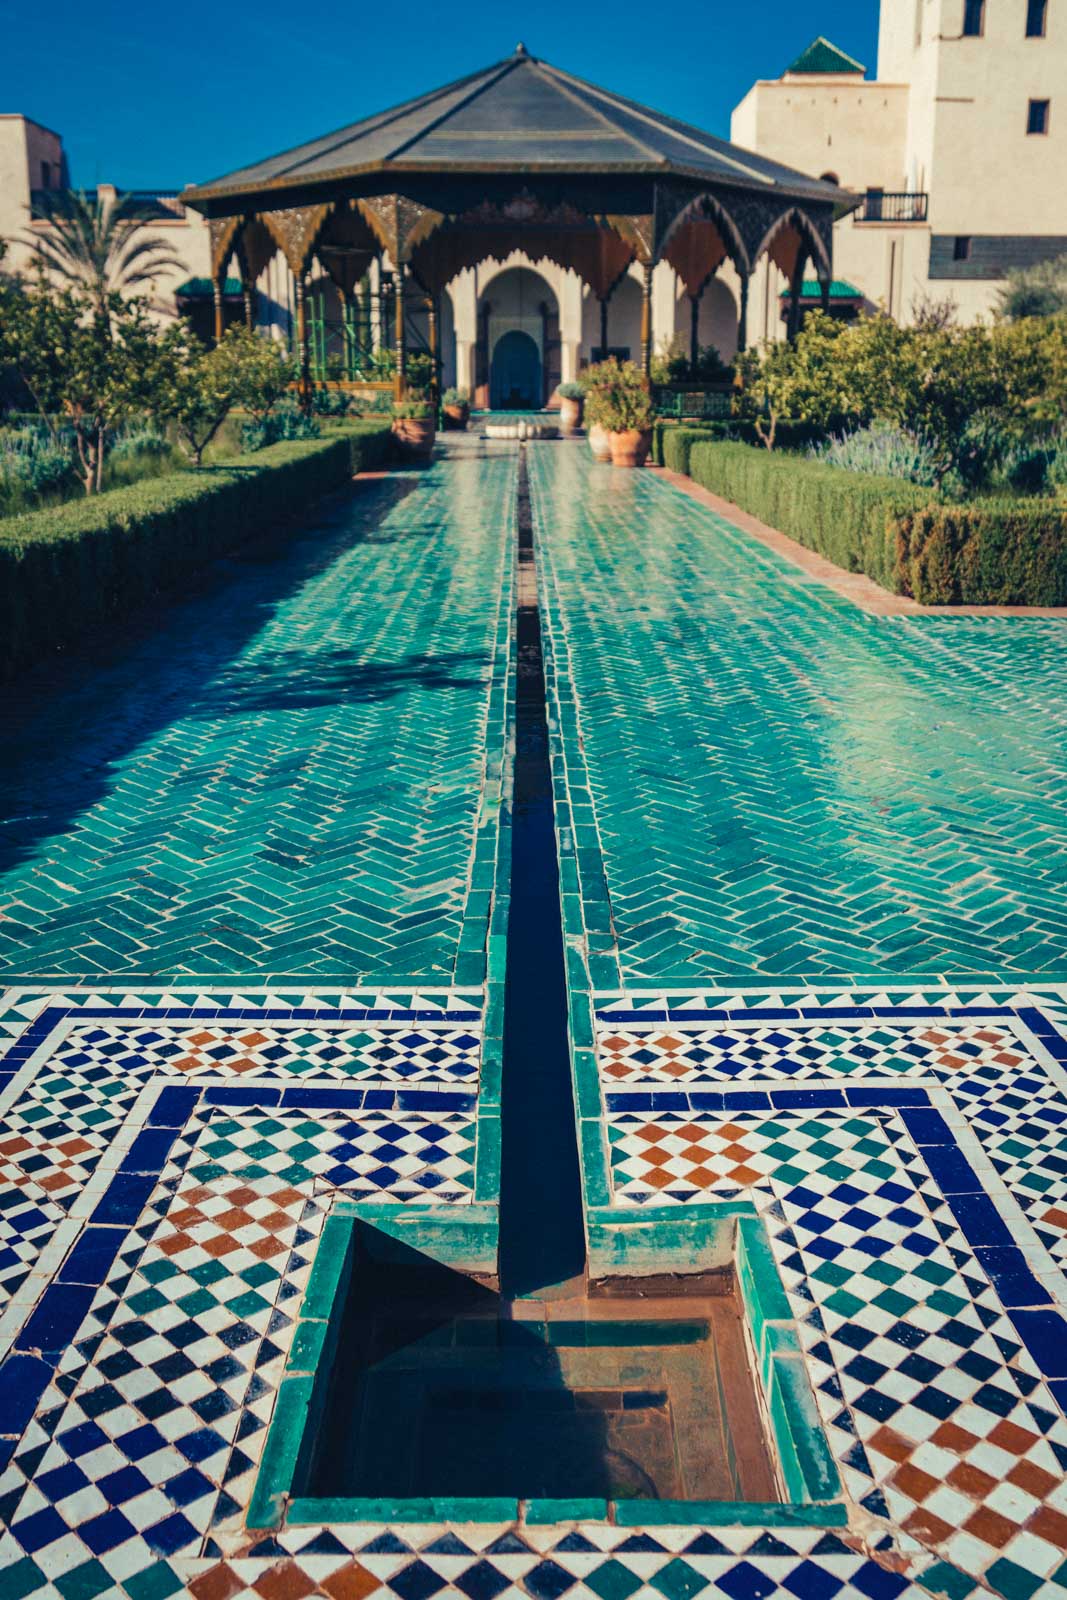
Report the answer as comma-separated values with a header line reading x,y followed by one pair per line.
x,y
98,243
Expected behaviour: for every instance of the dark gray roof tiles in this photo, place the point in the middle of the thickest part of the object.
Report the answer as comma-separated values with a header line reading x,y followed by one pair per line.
x,y
519,114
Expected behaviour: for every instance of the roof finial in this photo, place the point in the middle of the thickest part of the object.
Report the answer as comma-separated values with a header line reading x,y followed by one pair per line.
x,y
520,49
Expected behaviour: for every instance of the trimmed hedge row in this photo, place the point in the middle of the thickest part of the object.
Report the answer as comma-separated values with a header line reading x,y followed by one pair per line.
x,y
670,437
846,516
994,552
70,568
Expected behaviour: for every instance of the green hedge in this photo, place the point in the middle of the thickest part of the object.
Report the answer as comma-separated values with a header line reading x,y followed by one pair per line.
x,y
71,568
996,552
847,517
993,552
789,435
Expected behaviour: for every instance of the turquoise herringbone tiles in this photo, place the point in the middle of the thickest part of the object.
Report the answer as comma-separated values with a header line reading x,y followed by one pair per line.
x,y
772,783
288,778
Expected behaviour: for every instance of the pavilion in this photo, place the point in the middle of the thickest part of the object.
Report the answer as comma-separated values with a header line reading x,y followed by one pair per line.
x,y
518,157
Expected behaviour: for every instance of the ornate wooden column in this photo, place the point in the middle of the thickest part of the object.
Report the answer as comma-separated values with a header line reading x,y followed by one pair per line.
x,y
433,343
694,328
249,293
824,293
300,298
399,333
604,326
646,320
216,290
796,289
742,320
346,343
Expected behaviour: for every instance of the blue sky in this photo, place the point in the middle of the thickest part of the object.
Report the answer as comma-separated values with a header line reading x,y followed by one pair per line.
x,y
165,94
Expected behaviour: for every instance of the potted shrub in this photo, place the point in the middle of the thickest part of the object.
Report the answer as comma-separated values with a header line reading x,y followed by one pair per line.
x,y
414,427
625,410
595,383
571,397
456,406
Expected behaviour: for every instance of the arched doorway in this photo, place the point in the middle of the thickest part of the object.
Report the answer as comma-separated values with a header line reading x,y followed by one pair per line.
x,y
518,352
515,373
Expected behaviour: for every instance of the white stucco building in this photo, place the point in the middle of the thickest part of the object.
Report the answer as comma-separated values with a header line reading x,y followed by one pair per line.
x,y
959,145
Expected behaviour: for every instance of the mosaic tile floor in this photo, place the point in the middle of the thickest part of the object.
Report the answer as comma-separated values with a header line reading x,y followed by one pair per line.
x,y
908,1154
737,793
762,780
290,775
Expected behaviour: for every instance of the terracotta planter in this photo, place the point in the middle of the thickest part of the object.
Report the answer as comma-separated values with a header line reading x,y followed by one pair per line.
x,y
415,436
630,449
570,417
599,442
456,417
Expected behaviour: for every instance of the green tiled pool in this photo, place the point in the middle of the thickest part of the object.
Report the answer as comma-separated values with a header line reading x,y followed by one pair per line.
x,y
764,781
288,776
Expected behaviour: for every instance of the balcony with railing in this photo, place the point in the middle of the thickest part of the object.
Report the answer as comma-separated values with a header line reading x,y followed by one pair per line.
x,y
880,205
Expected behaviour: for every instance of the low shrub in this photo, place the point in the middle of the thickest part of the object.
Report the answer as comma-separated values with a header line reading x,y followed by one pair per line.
x,y
71,568
677,444
884,451
847,517
996,552
286,423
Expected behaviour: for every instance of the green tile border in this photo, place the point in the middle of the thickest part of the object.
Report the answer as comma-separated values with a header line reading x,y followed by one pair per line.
x,y
807,1469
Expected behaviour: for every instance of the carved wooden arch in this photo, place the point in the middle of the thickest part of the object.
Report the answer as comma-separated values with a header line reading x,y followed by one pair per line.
x,y
295,230
706,207
399,224
255,247
598,255
785,251
346,246
222,232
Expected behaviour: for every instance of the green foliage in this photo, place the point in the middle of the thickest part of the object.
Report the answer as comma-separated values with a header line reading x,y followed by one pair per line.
x,y
677,444
883,451
617,397
100,246
34,465
287,423
1037,291
94,367
846,517
332,402
71,568
571,391
996,552
413,410
257,370
993,552
673,363
419,376
930,380
456,397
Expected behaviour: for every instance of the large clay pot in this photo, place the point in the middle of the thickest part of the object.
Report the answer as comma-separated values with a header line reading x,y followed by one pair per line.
x,y
599,442
630,449
456,416
570,417
415,436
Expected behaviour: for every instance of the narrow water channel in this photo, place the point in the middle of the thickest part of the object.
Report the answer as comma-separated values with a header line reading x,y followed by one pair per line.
x,y
542,1238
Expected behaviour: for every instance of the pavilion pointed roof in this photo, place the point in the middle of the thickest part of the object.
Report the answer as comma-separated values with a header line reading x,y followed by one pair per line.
x,y
521,115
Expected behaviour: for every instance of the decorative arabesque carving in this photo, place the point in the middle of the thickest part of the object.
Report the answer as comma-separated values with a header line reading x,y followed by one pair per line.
x,y
399,224
296,229
222,232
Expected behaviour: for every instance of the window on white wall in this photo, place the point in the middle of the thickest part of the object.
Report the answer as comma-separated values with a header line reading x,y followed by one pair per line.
x,y
1036,18
973,18
1037,118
